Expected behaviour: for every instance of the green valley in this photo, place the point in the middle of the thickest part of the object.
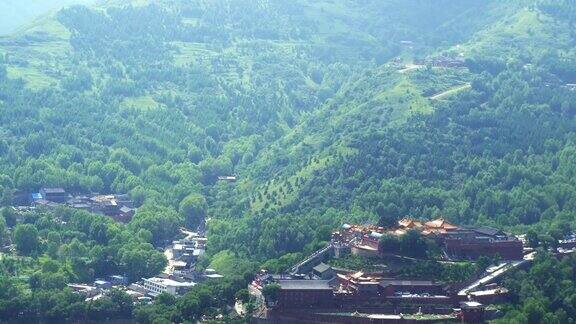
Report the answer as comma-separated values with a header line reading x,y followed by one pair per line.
x,y
266,125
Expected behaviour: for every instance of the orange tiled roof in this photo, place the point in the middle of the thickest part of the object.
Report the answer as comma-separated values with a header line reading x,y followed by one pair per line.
x,y
409,223
399,232
440,223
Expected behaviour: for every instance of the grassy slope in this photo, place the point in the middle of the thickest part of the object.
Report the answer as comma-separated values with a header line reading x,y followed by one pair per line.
x,y
383,99
527,31
36,52
337,24
42,47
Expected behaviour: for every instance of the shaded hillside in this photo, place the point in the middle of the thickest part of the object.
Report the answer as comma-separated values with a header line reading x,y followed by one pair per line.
x,y
296,98
197,85
495,154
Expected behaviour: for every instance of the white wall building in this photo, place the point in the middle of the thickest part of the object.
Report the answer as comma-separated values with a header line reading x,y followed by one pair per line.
x,y
155,286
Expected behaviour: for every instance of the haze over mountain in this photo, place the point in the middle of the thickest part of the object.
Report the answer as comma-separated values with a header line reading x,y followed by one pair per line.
x,y
17,13
324,111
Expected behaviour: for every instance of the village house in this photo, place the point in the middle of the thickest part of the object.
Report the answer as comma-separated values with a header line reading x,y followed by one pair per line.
x,y
472,312
102,284
118,280
125,214
324,272
56,195
105,204
86,290
155,286
80,202
569,242
119,207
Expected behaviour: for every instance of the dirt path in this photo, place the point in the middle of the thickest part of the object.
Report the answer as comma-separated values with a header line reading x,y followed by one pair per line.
x,y
169,255
410,67
450,92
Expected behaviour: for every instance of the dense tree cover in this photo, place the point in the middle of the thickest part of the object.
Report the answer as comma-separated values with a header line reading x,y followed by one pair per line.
x,y
206,112
412,244
417,168
73,246
3,231
168,97
357,263
436,271
26,238
500,154
193,207
160,100
564,9
545,293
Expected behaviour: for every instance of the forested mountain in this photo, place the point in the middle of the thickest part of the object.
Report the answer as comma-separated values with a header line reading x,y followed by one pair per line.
x,y
306,102
379,147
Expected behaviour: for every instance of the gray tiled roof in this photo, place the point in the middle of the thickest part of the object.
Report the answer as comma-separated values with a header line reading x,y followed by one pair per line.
x,y
304,284
322,267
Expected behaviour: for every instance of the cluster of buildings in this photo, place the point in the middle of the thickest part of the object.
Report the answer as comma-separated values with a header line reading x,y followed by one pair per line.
x,y
334,295
174,284
568,242
177,279
183,255
457,243
119,207
142,291
180,274
317,292
326,286
100,287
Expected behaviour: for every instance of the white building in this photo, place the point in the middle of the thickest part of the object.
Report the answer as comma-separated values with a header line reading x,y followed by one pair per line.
x,y
212,274
155,286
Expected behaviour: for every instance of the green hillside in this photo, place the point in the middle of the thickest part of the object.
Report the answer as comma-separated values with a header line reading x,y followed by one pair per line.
x,y
320,110
350,121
